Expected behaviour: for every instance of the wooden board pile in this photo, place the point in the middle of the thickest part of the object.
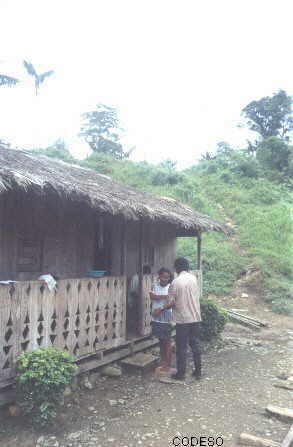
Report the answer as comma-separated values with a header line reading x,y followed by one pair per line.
x,y
245,320
285,414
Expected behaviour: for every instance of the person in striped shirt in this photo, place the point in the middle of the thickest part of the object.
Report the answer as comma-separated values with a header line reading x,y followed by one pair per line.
x,y
161,321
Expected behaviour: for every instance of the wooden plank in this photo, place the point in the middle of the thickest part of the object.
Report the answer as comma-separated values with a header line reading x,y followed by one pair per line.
x,y
95,363
246,439
120,353
104,311
35,312
287,385
246,317
85,306
243,322
7,334
282,413
123,247
25,330
288,440
140,279
122,308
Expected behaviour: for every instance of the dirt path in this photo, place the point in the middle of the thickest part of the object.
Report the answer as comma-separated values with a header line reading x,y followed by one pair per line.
x,y
133,410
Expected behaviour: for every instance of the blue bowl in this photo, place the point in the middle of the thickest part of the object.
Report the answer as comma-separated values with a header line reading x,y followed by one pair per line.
x,y
95,273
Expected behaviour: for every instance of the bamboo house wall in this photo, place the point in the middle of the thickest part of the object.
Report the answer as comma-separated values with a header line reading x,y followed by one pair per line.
x,y
39,236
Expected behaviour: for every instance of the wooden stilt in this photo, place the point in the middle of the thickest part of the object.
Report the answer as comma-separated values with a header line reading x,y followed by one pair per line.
x,y
140,278
198,251
123,247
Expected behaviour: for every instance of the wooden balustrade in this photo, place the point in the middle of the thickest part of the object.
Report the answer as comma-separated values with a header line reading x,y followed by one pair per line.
x,y
82,316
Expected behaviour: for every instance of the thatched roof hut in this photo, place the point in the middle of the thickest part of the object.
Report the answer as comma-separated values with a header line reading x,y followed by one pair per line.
x,y
42,175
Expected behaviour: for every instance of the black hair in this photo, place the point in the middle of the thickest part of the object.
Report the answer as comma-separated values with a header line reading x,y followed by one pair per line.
x,y
146,270
181,264
164,270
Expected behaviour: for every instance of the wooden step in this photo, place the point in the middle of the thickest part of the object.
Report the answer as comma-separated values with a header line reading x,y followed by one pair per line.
x,y
139,363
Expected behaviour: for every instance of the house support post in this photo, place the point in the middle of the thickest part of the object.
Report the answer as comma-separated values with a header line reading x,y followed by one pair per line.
x,y
140,278
198,251
123,247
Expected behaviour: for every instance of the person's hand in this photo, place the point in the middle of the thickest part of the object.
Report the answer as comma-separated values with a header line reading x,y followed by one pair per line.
x,y
156,312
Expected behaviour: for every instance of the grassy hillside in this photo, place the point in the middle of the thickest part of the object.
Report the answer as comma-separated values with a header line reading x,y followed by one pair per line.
x,y
235,188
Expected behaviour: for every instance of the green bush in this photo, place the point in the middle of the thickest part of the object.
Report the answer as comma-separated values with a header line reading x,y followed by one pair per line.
x,y
213,319
42,376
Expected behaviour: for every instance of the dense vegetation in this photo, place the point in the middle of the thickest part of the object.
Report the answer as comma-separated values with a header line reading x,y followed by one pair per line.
x,y
250,188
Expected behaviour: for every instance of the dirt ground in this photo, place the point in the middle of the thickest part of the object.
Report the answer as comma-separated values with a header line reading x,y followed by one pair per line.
x,y
132,410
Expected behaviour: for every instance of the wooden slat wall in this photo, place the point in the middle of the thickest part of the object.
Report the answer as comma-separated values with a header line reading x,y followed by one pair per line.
x,y
82,316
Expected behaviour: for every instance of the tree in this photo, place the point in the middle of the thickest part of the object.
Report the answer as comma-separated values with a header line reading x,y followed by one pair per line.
x,y
224,148
39,78
8,80
207,156
274,153
271,115
169,165
100,129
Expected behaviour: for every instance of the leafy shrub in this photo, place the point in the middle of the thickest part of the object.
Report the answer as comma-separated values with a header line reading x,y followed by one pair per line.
x,y
248,168
274,153
213,319
41,379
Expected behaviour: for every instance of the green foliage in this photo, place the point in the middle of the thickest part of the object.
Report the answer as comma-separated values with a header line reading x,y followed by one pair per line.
x,y
271,115
42,376
57,150
100,129
8,80
213,319
38,78
274,153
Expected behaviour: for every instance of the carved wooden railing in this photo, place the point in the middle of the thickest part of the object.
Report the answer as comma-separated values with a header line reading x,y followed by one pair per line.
x,y
81,316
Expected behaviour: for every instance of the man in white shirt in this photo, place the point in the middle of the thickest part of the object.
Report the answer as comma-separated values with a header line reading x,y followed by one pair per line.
x,y
184,300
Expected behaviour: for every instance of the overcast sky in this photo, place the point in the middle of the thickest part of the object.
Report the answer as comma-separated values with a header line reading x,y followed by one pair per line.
x,y
179,72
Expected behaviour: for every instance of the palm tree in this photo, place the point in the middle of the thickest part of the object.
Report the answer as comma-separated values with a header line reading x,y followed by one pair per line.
x,y
39,78
7,80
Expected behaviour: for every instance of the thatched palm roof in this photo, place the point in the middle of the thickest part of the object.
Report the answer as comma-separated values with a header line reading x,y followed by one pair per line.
x,y
39,174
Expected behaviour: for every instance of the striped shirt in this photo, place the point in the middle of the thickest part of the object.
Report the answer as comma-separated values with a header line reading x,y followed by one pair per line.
x,y
166,315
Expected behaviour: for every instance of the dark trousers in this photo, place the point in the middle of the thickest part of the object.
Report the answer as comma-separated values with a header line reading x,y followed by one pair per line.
x,y
187,333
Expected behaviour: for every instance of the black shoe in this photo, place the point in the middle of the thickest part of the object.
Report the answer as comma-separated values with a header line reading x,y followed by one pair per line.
x,y
177,377
196,374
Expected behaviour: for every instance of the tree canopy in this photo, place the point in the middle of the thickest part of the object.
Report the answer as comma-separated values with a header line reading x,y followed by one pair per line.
x,y
8,80
271,115
100,129
39,78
